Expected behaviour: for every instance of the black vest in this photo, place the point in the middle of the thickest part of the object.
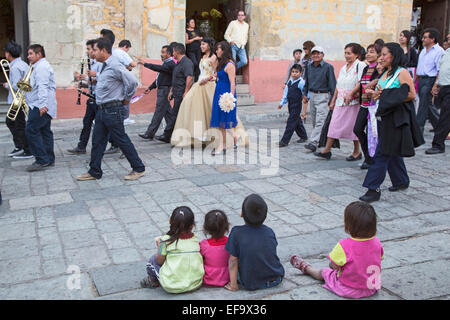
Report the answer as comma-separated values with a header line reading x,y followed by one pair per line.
x,y
294,95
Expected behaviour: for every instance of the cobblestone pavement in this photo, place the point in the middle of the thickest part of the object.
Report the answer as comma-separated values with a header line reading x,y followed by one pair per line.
x,y
51,225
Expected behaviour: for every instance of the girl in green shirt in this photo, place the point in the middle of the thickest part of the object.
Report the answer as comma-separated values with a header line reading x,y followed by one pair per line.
x,y
178,264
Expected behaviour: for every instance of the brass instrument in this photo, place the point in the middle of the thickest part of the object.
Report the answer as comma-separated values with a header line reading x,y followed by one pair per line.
x,y
18,96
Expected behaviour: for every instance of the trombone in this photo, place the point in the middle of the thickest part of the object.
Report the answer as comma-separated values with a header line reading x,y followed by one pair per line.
x,y
18,96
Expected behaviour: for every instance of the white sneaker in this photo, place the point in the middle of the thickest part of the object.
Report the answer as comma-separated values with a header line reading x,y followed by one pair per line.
x,y
128,121
23,156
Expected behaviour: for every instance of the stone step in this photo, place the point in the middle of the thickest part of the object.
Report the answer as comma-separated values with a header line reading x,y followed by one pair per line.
x,y
242,88
245,99
239,79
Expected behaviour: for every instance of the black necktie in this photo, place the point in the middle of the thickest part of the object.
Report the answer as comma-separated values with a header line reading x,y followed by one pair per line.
x,y
104,66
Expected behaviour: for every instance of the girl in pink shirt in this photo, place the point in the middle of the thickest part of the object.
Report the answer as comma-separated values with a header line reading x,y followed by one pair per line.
x,y
215,257
355,262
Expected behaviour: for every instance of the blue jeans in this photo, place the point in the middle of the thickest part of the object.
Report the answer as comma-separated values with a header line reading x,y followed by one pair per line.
x,y
241,54
127,111
267,285
40,136
109,121
376,174
153,268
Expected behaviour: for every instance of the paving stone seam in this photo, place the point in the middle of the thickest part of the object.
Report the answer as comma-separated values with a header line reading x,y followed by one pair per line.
x,y
61,243
36,230
100,235
414,236
124,227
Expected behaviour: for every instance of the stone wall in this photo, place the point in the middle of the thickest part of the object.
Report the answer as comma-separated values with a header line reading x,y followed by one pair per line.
x,y
63,26
278,27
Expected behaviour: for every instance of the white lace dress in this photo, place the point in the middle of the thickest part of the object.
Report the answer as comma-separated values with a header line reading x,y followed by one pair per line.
x,y
344,116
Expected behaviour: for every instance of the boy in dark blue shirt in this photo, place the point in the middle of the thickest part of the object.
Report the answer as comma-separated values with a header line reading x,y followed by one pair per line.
x,y
293,95
253,250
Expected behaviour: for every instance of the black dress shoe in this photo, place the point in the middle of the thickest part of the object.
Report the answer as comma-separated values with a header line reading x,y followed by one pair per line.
x,y
434,151
282,144
163,138
37,167
352,158
302,140
310,147
77,150
371,196
323,155
146,136
400,187
365,166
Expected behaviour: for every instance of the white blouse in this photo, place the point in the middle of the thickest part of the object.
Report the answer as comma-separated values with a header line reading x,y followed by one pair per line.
x,y
348,80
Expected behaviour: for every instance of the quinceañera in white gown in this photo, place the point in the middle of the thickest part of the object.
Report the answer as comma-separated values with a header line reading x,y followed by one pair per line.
x,y
195,112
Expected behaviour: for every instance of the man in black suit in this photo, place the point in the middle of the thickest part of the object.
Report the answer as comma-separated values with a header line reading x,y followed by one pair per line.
x,y
182,80
163,83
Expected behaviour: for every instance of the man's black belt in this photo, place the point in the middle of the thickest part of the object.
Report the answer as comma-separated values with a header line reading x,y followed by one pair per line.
x,y
426,77
110,104
319,91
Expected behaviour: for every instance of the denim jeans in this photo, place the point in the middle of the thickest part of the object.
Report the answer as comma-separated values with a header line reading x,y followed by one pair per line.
x,y
153,268
241,54
127,111
376,174
110,120
40,136
267,285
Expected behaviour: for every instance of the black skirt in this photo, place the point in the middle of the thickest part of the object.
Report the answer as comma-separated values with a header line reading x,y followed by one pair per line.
x,y
324,133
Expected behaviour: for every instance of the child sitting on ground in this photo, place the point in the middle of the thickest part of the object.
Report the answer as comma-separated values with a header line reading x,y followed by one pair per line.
x,y
355,262
293,96
253,248
215,257
178,264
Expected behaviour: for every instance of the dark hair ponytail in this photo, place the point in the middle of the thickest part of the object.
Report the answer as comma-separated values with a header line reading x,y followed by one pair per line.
x,y
216,224
181,220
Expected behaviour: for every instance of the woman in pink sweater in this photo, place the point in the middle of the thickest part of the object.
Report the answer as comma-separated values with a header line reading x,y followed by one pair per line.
x,y
215,257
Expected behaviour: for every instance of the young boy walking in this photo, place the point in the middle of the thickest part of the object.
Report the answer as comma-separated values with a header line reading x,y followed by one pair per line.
x,y
293,95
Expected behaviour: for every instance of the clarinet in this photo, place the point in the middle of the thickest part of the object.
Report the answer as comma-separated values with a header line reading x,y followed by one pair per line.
x,y
80,84
90,79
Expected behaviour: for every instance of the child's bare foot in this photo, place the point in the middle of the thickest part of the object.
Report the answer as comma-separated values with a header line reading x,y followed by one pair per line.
x,y
298,263
231,287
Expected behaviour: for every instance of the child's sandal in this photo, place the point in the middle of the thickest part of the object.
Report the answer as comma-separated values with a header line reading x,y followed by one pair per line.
x,y
298,263
149,283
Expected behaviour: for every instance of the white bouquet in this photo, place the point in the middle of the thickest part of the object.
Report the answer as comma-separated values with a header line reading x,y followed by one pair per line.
x,y
227,102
